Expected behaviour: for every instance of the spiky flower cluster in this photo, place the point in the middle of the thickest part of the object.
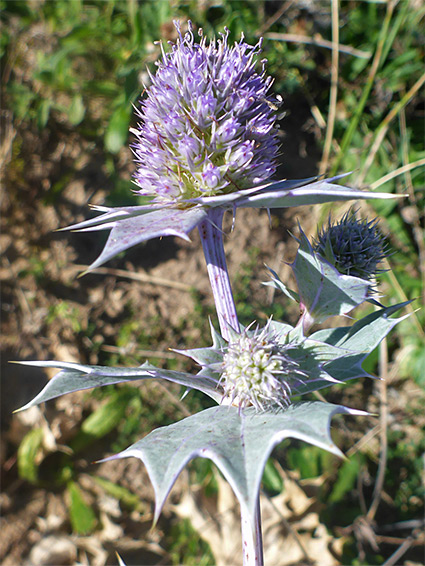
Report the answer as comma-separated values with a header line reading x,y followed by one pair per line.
x,y
207,121
354,246
256,371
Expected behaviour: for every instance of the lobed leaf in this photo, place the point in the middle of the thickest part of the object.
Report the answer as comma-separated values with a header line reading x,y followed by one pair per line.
x,y
276,283
322,289
238,442
361,339
135,224
366,333
318,192
77,377
128,232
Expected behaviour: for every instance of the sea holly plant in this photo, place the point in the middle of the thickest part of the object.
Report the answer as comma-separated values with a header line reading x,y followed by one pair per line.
x,y
207,143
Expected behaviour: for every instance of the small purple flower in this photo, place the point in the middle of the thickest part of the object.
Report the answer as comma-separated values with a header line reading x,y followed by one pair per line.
x,y
221,114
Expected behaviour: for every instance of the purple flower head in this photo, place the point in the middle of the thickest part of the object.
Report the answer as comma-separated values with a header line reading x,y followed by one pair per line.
x,y
207,119
207,142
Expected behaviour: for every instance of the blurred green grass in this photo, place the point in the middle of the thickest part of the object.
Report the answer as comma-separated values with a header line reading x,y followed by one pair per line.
x,y
79,66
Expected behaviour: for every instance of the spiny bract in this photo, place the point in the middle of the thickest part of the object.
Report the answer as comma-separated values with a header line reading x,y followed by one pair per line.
x,y
354,246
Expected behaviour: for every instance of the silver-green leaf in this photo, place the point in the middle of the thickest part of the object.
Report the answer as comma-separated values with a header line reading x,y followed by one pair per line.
x,y
238,442
77,377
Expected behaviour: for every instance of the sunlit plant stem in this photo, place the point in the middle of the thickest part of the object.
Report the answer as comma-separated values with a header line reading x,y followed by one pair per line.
x,y
211,234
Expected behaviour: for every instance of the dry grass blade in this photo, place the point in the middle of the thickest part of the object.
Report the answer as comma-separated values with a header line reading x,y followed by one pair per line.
x,y
402,295
142,277
399,171
134,350
319,41
416,221
376,62
334,88
383,458
276,16
394,559
383,128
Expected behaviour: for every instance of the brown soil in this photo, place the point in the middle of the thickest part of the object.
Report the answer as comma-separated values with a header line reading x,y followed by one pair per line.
x,y
47,311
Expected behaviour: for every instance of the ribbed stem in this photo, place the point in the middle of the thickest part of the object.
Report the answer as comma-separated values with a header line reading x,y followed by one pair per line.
x,y
252,541
211,234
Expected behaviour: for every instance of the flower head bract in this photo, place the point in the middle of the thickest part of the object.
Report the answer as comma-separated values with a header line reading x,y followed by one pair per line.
x,y
206,140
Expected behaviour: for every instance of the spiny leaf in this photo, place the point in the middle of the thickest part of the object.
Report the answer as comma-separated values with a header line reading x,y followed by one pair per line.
x,y
238,442
366,333
323,290
135,224
134,230
77,377
314,193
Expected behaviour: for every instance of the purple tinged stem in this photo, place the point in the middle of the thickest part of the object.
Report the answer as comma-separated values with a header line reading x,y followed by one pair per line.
x,y
211,234
252,540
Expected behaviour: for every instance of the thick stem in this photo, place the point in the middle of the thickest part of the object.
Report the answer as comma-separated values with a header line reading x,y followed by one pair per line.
x,y
211,234
252,540
212,243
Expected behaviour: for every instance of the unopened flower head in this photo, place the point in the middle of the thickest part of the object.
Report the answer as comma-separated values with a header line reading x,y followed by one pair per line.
x,y
257,371
208,123
354,246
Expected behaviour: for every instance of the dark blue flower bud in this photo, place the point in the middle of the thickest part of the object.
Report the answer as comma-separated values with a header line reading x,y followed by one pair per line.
x,y
354,246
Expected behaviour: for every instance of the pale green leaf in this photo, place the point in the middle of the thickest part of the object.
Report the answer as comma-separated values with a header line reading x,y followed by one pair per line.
x,y
83,519
77,377
238,442
27,454
117,131
76,110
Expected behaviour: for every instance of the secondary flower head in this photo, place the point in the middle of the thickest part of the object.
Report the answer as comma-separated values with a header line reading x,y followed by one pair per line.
x,y
257,371
354,246
334,273
264,367
208,123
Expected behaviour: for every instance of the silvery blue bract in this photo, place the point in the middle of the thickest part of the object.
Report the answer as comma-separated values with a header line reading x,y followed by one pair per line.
x,y
207,138
238,443
327,356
